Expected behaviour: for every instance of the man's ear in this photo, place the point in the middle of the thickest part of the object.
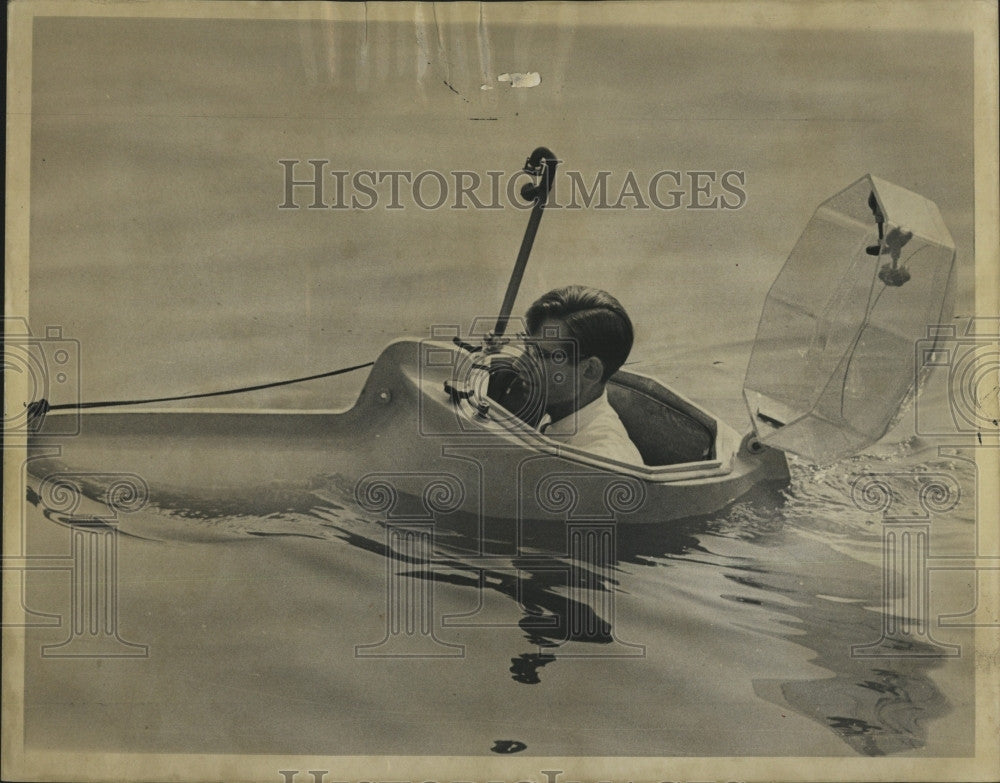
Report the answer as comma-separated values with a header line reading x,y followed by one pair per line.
x,y
593,369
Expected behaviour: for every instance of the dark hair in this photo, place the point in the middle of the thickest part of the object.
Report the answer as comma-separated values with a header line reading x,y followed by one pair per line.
x,y
594,318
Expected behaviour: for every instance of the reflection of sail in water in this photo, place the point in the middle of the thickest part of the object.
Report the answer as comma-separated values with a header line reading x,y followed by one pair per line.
x,y
833,359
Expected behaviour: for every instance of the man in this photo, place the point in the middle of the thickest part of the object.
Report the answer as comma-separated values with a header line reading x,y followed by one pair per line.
x,y
581,336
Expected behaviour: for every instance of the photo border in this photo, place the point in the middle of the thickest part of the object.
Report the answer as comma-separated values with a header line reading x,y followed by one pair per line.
x,y
20,763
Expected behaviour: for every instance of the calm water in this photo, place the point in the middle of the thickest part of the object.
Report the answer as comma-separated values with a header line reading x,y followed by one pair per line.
x,y
157,243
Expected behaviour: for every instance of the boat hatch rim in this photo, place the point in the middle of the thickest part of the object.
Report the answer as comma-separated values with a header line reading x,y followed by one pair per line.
x,y
513,429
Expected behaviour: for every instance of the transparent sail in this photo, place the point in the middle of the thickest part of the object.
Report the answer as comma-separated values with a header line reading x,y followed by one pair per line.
x,y
834,355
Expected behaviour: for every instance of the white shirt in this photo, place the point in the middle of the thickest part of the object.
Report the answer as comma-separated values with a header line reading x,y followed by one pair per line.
x,y
596,429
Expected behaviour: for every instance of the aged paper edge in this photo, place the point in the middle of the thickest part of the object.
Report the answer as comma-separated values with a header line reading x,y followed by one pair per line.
x,y
977,16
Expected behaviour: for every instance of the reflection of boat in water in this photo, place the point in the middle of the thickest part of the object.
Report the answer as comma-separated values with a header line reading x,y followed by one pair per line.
x,y
424,439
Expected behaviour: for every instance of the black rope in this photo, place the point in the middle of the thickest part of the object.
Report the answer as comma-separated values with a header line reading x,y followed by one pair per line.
x,y
42,406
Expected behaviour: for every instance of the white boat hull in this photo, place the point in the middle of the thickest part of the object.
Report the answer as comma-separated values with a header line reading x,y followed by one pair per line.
x,y
408,451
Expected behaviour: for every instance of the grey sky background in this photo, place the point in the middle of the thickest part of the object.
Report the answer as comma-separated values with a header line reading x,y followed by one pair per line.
x,y
156,237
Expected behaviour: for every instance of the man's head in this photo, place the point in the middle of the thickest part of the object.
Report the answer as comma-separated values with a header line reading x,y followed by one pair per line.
x,y
597,327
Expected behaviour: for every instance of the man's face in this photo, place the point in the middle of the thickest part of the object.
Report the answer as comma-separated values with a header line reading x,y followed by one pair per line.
x,y
557,360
